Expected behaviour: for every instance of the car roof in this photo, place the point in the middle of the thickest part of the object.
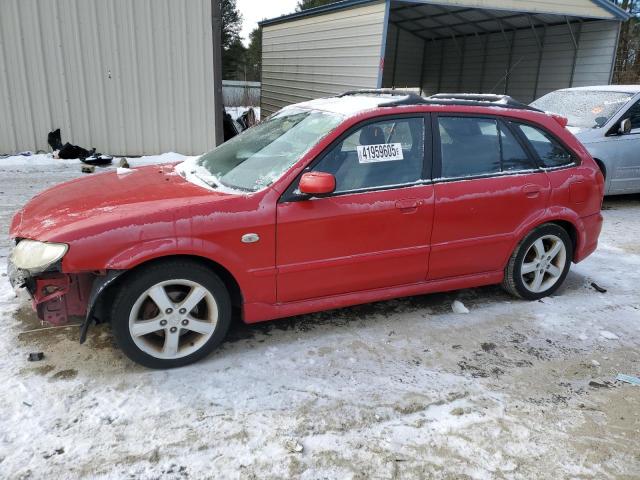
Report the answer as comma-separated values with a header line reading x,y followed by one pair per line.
x,y
355,102
346,106
605,88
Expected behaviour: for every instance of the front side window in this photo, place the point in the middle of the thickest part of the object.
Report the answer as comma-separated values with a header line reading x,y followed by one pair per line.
x,y
259,156
633,114
551,153
471,146
381,154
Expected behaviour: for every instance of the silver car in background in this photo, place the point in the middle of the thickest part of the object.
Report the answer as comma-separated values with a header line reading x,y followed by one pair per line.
x,y
606,120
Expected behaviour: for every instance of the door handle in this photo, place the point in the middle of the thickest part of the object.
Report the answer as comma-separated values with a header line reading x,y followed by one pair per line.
x,y
409,204
532,191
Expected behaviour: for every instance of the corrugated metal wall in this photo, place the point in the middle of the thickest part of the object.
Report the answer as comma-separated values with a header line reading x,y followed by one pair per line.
x,y
480,63
321,56
127,77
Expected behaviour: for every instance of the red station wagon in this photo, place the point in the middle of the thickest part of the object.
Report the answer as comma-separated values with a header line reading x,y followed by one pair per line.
x,y
368,196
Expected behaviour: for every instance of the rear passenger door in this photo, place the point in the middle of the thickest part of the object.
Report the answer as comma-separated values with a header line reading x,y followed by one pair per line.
x,y
487,185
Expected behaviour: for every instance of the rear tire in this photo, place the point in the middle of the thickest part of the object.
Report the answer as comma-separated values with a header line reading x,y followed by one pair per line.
x,y
170,314
540,263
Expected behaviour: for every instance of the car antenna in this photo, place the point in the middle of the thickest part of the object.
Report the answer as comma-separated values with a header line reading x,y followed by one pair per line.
x,y
506,75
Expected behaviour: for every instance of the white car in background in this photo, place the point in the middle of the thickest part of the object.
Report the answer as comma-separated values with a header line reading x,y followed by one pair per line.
x,y
606,119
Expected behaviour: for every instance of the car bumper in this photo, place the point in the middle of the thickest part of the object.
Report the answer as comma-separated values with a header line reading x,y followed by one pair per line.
x,y
588,241
54,295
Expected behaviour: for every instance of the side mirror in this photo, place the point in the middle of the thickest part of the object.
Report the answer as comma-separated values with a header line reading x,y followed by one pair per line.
x,y
317,184
625,126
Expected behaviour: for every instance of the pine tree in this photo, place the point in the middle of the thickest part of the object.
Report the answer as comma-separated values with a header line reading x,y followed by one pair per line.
x,y
307,4
253,55
232,48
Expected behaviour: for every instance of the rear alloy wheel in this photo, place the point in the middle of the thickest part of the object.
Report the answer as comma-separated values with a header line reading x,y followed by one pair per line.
x,y
171,314
540,263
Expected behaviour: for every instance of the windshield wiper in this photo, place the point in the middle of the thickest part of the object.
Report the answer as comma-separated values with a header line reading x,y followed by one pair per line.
x,y
211,183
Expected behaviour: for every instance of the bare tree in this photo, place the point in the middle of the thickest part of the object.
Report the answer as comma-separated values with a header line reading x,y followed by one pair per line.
x,y
627,68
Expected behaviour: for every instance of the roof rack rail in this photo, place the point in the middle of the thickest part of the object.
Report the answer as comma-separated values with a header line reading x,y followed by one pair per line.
x,y
469,99
381,91
504,101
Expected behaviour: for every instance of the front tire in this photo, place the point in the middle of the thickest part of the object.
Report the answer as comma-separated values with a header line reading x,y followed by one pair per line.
x,y
170,314
540,263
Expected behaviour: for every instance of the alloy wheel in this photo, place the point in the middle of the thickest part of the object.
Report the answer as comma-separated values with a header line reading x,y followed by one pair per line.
x,y
543,264
173,319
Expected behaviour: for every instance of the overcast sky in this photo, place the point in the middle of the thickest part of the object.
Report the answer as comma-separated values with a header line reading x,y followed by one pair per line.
x,y
255,10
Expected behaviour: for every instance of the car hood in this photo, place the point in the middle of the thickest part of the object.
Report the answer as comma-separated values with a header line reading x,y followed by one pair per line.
x,y
587,135
106,198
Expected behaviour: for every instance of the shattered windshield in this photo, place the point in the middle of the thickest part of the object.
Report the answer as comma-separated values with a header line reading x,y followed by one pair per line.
x,y
259,156
583,108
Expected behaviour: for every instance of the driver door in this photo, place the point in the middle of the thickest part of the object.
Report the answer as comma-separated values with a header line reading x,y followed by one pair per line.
x,y
373,231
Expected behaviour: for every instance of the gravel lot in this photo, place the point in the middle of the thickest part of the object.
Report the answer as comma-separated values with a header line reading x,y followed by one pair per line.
x,y
401,389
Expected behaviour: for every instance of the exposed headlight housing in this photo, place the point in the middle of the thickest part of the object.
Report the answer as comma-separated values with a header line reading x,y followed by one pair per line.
x,y
35,256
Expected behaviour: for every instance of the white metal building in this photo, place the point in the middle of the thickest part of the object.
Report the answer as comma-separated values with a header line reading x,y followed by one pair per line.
x,y
524,48
128,77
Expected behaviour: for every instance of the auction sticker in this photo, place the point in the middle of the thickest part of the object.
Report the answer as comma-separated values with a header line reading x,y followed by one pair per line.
x,y
385,152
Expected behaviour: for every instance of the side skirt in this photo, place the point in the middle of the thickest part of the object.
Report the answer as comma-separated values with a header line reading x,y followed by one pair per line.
x,y
259,312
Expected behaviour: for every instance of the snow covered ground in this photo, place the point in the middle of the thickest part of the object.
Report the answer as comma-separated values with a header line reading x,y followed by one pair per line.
x,y
400,389
23,163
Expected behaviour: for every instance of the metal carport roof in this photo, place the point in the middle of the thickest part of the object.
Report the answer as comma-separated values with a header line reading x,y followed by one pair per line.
x,y
615,11
524,48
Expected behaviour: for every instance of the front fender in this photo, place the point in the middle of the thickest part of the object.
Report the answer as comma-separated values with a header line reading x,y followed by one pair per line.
x,y
257,284
143,252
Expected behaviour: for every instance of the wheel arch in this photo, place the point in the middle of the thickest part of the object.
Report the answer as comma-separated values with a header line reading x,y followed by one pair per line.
x,y
602,167
568,227
562,221
107,286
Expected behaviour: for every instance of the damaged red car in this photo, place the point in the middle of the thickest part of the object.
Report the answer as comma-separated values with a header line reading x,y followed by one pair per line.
x,y
368,196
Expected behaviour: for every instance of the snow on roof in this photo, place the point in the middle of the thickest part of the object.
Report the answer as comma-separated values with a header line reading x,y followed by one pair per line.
x,y
607,88
349,105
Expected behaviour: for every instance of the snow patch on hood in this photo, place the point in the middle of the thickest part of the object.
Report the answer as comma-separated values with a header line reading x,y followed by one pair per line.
x,y
195,173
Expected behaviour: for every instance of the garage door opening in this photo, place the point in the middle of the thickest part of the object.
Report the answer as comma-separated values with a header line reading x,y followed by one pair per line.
x,y
442,48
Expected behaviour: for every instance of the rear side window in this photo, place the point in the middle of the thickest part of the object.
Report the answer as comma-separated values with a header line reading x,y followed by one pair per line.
x,y
551,153
514,157
471,146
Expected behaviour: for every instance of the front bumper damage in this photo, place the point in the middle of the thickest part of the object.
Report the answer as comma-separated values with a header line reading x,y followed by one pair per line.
x,y
55,296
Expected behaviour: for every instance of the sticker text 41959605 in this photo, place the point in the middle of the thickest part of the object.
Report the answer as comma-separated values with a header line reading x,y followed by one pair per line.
x,y
385,152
